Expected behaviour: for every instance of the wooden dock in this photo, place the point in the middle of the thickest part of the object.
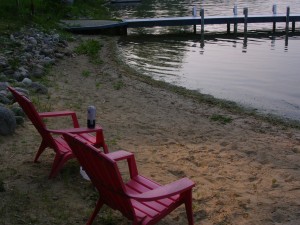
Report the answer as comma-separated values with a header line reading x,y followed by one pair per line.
x,y
245,19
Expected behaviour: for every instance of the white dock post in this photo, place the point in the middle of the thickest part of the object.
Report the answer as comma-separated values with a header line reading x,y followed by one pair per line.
x,y
202,20
194,15
287,19
274,10
245,20
235,13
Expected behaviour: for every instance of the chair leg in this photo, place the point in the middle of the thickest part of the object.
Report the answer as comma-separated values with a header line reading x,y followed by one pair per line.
x,y
188,207
42,148
134,222
57,164
96,210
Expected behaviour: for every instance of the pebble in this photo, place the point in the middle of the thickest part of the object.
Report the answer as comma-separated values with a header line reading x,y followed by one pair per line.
x,y
27,81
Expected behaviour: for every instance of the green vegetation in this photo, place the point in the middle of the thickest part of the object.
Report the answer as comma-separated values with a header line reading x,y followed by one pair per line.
x,y
220,118
41,105
85,73
90,48
47,13
118,85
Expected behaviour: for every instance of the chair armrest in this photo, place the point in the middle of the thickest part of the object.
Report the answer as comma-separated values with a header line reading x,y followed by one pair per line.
x,y
165,191
61,113
76,130
120,155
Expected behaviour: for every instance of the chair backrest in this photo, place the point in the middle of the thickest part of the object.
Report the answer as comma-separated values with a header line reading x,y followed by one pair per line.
x,y
104,174
33,115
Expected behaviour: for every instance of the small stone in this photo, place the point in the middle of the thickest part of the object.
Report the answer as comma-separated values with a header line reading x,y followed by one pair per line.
x,y
3,85
48,61
7,121
38,71
59,55
32,40
3,77
296,149
18,111
19,120
22,90
27,81
4,100
47,52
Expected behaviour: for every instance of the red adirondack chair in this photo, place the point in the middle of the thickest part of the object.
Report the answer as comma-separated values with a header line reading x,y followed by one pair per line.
x,y
140,199
52,138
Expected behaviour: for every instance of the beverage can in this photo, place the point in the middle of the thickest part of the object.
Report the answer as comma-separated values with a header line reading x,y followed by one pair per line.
x,y
91,116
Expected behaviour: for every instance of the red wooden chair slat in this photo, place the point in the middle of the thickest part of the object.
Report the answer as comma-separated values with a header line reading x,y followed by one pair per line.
x,y
141,200
57,143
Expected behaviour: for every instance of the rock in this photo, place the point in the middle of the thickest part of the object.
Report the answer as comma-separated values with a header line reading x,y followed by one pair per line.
x,y
4,100
22,90
3,63
47,52
19,120
3,77
296,149
18,111
59,55
23,71
38,71
39,88
3,86
32,40
47,61
7,121
27,81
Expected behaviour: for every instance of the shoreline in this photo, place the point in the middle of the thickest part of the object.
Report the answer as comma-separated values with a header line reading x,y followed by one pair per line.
x,y
208,99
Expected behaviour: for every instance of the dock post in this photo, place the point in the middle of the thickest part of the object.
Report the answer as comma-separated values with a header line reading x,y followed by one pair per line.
x,y
235,12
123,30
287,19
228,28
194,15
245,20
202,20
274,10
293,26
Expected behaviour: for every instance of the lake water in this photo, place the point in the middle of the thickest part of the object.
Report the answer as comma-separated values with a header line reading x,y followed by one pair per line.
x,y
260,71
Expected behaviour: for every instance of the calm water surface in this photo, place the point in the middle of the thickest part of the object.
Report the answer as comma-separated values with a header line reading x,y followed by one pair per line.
x,y
260,71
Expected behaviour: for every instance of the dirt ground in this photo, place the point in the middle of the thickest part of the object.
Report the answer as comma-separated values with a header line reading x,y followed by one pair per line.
x,y
246,171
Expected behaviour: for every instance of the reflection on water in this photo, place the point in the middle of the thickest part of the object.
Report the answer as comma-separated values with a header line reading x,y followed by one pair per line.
x,y
266,77
256,69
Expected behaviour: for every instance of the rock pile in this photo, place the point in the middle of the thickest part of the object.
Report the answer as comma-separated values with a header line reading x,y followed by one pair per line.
x,y
25,56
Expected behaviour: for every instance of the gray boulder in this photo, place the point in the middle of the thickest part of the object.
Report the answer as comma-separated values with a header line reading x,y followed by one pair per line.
x,y
7,121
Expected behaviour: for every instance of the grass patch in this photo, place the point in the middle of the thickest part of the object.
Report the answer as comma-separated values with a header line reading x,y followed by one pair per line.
x,y
42,106
85,73
220,118
118,85
90,48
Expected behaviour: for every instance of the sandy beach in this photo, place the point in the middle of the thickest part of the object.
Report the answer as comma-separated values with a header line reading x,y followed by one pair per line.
x,y
246,171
